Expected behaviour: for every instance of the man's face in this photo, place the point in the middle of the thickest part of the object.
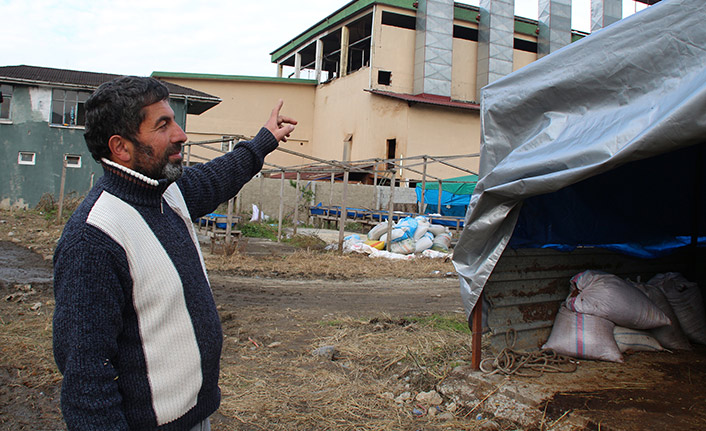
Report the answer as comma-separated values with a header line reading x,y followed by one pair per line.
x,y
158,144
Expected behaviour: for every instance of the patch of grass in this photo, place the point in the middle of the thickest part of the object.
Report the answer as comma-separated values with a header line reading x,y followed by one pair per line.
x,y
309,242
447,323
258,230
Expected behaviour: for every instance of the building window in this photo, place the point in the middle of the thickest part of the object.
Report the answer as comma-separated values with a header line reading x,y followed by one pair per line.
x,y
391,152
6,99
26,158
72,160
384,77
68,107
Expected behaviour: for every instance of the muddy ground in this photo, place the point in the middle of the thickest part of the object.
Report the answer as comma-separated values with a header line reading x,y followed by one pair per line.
x,y
390,340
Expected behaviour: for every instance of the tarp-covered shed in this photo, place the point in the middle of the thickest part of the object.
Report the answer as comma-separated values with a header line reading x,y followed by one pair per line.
x,y
598,145
455,195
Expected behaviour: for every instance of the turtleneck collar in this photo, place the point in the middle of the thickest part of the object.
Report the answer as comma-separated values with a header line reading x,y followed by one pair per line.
x,y
132,186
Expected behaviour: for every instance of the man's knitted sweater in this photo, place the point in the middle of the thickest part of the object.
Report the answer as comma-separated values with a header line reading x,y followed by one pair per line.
x,y
136,331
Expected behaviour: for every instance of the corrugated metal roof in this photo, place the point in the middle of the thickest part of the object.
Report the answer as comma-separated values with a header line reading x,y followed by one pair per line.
x,y
198,100
428,99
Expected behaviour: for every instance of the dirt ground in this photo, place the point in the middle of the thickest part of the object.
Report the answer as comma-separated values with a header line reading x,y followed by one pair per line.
x,y
313,347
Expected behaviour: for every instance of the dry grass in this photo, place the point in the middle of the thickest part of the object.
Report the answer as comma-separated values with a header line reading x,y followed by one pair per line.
x,y
330,265
376,361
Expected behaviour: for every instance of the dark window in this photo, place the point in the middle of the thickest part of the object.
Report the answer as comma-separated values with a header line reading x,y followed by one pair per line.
x,y
391,151
68,107
465,33
525,45
397,20
384,77
6,99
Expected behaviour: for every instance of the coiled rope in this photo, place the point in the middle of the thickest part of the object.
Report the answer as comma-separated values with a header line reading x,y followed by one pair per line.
x,y
526,364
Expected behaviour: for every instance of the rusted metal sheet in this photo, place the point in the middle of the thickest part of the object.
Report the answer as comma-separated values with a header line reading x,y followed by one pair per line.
x,y
527,287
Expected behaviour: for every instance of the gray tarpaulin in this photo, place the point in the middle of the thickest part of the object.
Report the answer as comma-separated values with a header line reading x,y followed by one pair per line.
x,y
630,91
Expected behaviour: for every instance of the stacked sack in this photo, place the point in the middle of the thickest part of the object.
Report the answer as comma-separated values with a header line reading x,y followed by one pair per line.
x,y
605,316
411,235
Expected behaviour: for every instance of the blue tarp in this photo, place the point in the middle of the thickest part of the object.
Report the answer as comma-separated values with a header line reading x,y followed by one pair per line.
x,y
455,195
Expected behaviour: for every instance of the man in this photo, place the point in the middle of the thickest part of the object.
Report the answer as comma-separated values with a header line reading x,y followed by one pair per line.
x,y
136,331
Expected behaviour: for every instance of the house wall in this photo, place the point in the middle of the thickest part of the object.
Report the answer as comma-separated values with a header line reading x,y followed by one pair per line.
x,y
22,186
246,106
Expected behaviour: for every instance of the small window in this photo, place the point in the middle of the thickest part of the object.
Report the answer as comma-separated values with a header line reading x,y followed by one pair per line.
x,y
72,160
68,107
384,77
6,91
26,158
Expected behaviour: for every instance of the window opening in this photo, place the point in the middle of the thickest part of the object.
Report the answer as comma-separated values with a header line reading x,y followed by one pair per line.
x,y
391,151
26,158
72,160
6,91
68,107
384,77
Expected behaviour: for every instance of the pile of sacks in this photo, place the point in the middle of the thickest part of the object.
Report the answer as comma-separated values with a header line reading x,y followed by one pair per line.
x,y
411,235
605,316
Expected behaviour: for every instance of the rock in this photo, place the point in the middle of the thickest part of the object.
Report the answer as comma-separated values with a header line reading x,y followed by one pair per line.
x,y
430,398
36,306
387,396
451,407
404,396
447,416
327,352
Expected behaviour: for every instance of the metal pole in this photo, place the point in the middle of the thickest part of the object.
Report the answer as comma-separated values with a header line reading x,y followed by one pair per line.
x,y
296,206
281,208
330,196
424,185
259,200
377,192
344,213
61,191
391,210
477,332
229,217
438,208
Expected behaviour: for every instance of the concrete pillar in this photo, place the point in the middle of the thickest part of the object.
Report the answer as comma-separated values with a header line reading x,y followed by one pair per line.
x,y
345,40
319,58
297,65
433,53
496,33
605,13
554,26
280,70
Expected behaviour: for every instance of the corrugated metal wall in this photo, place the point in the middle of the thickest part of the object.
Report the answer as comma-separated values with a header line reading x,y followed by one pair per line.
x,y
528,285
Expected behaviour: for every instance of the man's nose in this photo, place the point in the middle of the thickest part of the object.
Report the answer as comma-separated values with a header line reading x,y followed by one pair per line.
x,y
179,135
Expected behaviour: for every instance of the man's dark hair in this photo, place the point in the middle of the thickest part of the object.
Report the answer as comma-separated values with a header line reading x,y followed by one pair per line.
x,y
116,108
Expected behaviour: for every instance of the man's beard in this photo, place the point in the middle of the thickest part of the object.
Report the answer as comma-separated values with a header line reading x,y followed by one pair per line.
x,y
155,169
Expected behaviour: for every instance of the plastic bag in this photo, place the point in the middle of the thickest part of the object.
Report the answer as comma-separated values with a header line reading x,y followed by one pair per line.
x,y
635,340
610,297
685,298
583,336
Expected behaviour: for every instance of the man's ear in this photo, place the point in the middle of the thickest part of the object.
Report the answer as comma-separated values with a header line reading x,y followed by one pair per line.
x,y
120,150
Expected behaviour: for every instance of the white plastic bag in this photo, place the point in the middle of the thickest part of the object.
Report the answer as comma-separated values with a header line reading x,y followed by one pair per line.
x,y
376,232
685,298
610,297
635,340
669,336
583,336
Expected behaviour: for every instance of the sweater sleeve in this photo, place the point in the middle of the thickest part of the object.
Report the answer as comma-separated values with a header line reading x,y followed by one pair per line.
x,y
87,322
205,186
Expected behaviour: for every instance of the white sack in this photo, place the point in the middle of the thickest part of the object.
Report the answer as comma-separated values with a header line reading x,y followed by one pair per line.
x,y
376,232
583,336
609,296
685,298
635,340
669,336
404,246
437,229
423,243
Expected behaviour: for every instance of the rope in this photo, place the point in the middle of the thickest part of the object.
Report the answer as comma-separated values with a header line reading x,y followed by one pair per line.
x,y
526,364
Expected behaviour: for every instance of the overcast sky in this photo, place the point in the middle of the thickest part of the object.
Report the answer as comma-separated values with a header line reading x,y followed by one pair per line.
x,y
141,36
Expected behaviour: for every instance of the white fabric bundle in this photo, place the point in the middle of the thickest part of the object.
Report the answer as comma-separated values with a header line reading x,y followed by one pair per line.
x,y
610,297
583,336
685,298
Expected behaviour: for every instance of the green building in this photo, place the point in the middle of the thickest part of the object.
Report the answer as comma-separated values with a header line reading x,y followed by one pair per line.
x,y
42,120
